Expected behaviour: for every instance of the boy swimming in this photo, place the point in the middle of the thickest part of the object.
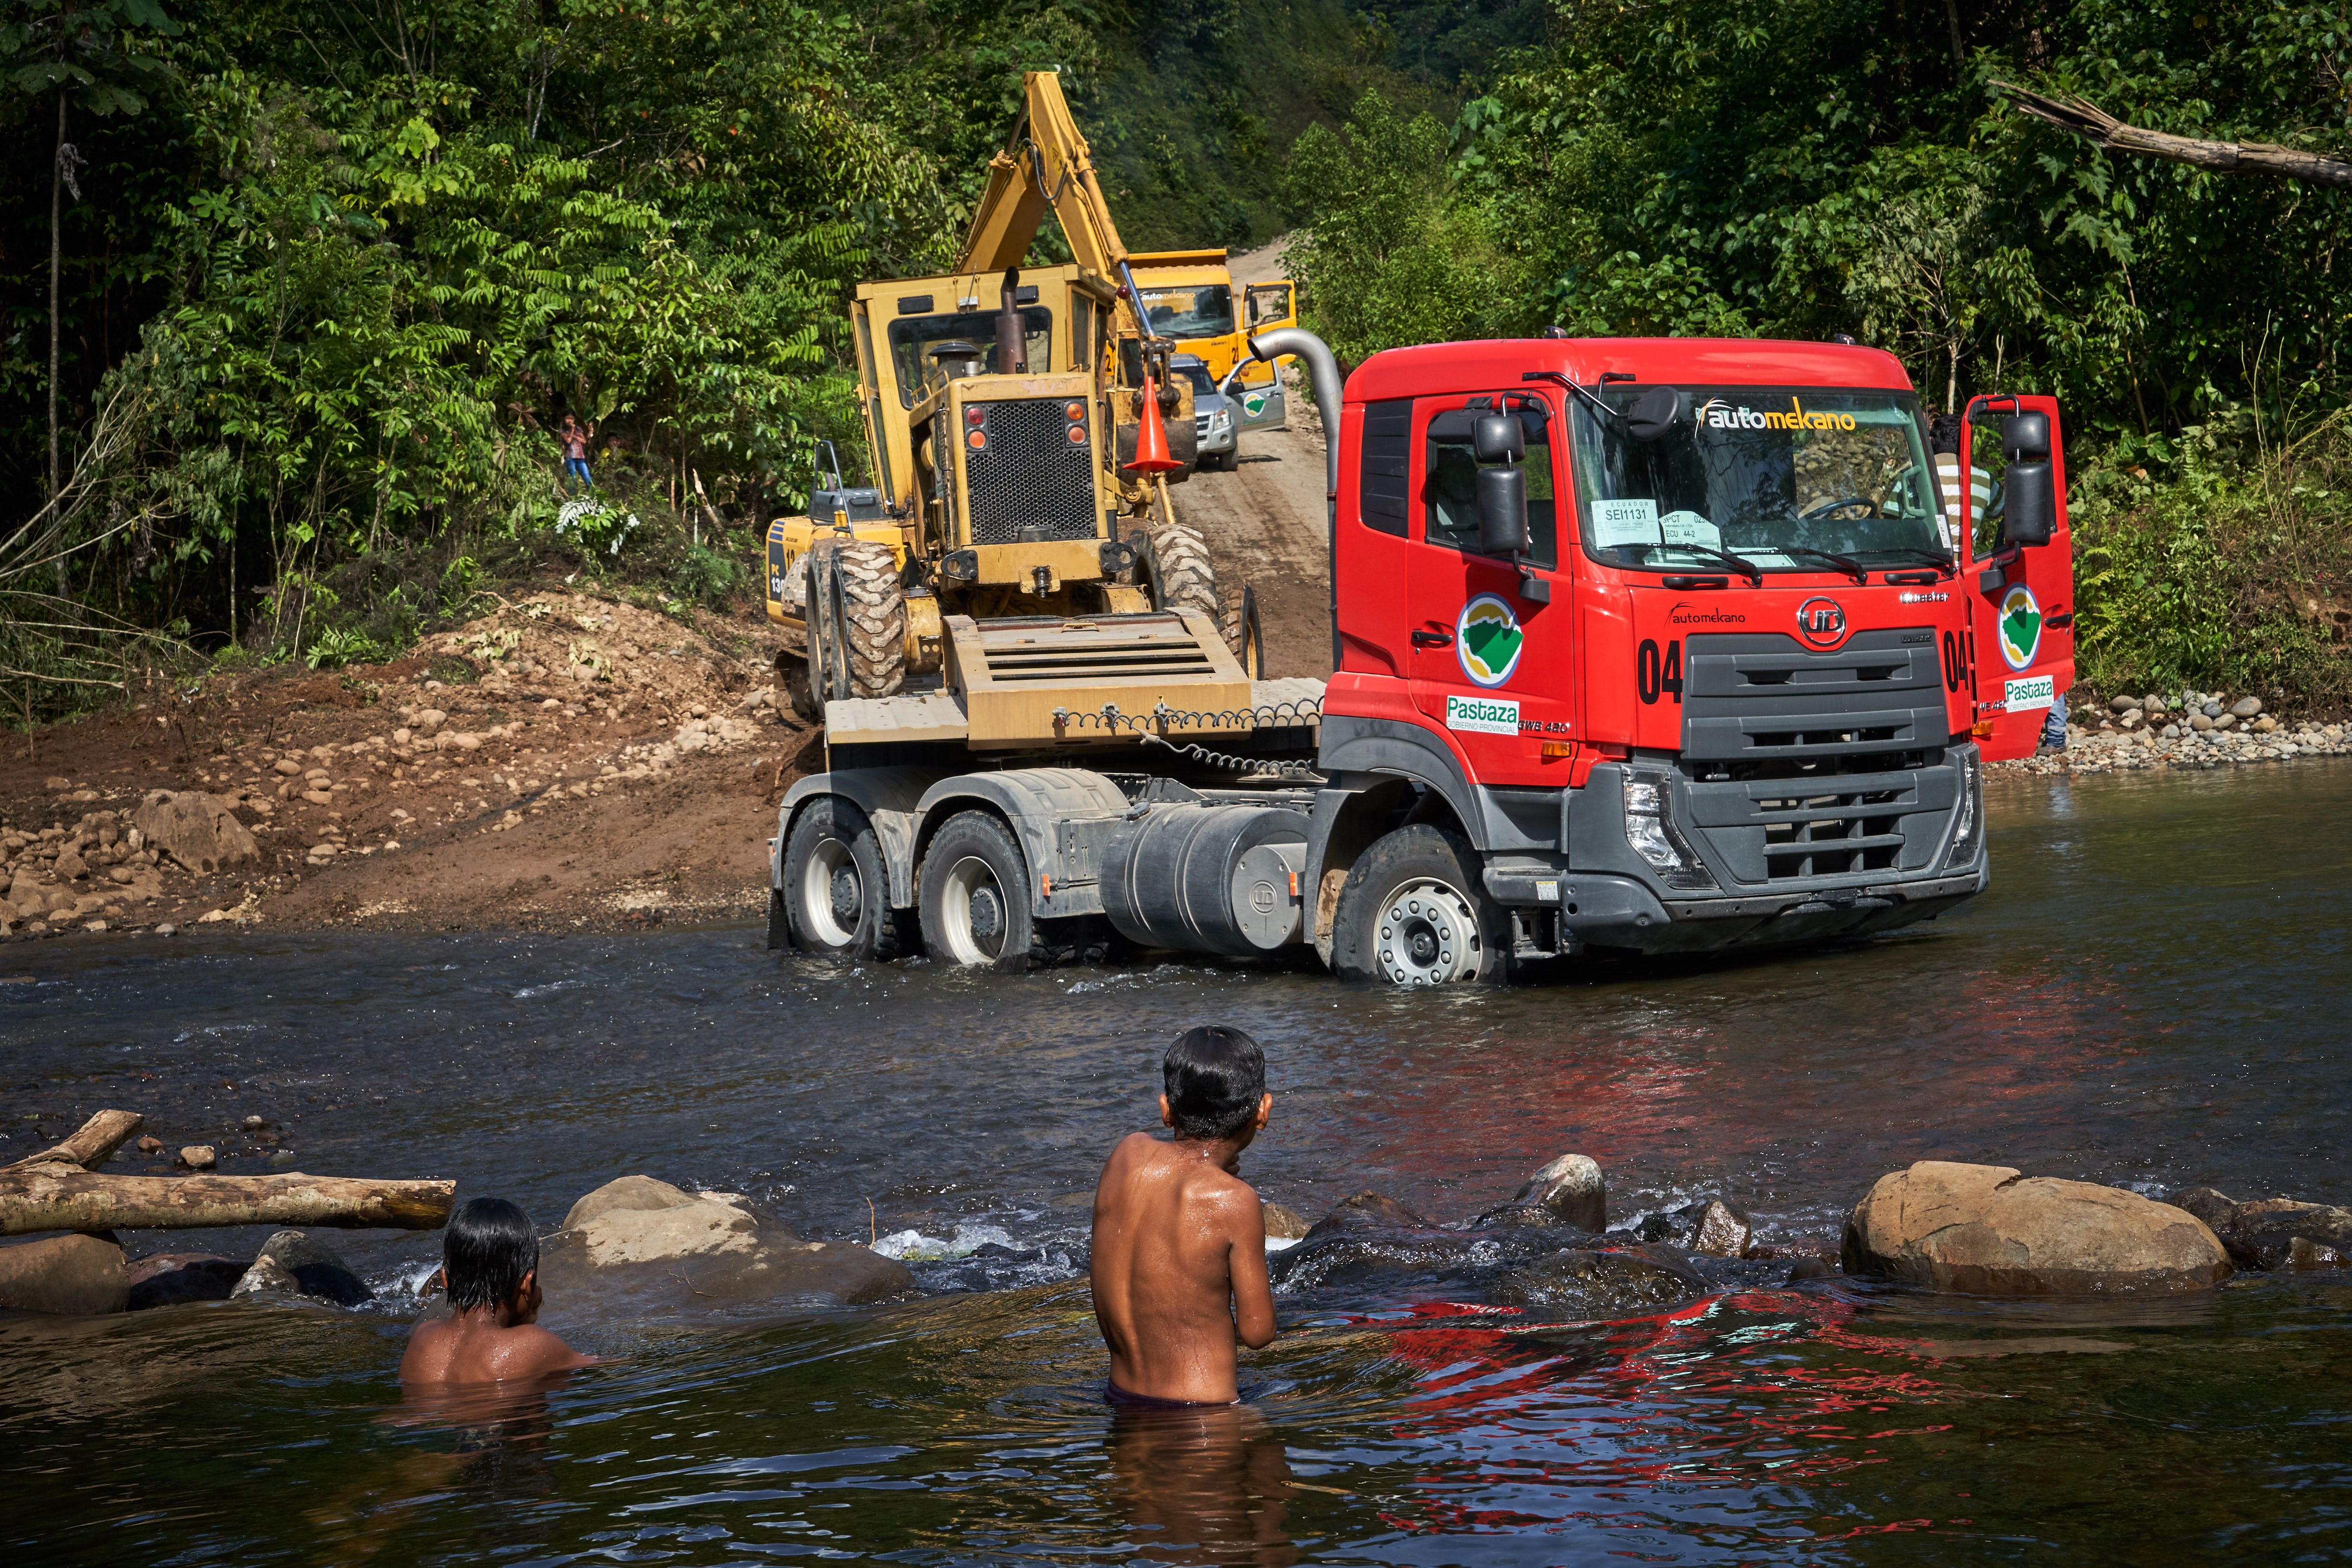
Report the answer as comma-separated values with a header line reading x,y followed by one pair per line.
x,y
490,1270
1179,1267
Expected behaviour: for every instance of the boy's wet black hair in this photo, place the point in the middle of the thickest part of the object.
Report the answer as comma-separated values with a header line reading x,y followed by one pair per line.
x,y
1215,1077
487,1248
1944,434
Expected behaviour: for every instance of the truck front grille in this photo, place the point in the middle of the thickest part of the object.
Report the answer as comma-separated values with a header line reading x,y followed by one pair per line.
x,y
1031,482
1803,765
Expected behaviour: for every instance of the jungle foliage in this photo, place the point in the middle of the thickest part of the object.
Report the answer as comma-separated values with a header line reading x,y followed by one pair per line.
x,y
1746,167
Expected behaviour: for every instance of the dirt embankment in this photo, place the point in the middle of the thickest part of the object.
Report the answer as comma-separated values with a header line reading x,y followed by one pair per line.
x,y
565,763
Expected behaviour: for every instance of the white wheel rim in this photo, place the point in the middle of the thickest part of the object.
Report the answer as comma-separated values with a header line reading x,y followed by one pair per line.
x,y
1428,935
971,899
821,876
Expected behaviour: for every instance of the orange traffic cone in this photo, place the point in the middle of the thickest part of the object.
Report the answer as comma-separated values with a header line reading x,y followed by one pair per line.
x,y
1152,440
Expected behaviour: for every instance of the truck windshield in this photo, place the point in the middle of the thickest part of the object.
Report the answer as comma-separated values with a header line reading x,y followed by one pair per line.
x,y
1763,473
912,336
1193,310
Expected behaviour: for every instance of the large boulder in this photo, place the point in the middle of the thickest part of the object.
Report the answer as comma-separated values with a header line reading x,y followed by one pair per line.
x,y
1602,1284
1573,1189
293,1263
81,1274
709,1253
168,1279
628,1193
2279,1233
1721,1229
1366,1211
1990,1231
198,830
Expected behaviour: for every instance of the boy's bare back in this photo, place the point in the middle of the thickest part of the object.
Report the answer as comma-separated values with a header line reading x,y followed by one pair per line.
x,y
1178,1261
468,1349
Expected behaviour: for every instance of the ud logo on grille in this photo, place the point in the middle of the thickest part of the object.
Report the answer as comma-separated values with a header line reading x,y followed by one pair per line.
x,y
1487,640
1821,622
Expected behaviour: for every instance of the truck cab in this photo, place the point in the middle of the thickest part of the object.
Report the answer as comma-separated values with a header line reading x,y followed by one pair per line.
x,y
1725,686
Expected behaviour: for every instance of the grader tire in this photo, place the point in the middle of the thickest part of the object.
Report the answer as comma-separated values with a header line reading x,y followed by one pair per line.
x,y
1243,638
872,610
1181,576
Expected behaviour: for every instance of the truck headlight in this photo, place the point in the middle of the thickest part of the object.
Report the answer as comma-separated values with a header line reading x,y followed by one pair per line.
x,y
1222,419
1650,829
1972,812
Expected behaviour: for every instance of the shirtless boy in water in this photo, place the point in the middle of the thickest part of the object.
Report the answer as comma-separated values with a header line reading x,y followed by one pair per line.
x,y
1178,1265
490,1270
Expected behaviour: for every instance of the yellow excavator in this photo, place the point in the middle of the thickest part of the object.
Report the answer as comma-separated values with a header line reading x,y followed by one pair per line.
x,y
1017,474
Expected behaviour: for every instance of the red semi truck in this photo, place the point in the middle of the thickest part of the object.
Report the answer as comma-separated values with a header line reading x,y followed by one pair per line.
x,y
1641,646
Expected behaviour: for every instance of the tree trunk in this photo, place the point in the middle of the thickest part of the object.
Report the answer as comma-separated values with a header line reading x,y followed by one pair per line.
x,y
59,1197
93,1145
57,183
2080,117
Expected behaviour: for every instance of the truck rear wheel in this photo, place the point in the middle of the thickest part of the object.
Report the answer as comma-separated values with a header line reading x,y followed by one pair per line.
x,y
1414,911
869,608
836,888
973,895
1178,574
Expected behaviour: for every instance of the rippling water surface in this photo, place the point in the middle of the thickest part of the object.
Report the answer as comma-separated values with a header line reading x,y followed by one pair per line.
x,y
2152,994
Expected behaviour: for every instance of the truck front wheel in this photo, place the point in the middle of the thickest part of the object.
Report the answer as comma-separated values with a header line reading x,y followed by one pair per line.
x,y
973,895
1414,911
836,890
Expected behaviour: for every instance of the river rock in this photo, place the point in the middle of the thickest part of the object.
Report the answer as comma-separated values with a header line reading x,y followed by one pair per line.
x,y
637,1192
292,1262
77,1274
1365,1210
1597,1284
1573,1189
1721,1230
1990,1231
2200,722
705,1253
167,1279
2125,704
197,830
2264,1233
199,1157
1284,1223
2207,1205
2246,707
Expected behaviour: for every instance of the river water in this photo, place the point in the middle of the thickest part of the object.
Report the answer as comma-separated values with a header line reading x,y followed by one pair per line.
x,y
2151,995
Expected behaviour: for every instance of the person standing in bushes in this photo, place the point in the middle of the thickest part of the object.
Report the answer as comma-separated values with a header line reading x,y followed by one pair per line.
x,y
575,449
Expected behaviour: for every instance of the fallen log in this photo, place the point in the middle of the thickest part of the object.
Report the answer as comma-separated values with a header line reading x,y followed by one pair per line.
x,y
55,1196
93,1145
2080,117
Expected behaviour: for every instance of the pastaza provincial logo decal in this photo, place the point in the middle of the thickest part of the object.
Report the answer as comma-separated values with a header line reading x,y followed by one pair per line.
x,y
2021,626
1487,640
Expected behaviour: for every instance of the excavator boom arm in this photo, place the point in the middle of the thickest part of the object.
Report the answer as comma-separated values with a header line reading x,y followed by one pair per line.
x,y
1046,163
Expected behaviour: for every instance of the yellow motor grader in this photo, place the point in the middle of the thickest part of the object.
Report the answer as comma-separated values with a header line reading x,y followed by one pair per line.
x,y
1018,473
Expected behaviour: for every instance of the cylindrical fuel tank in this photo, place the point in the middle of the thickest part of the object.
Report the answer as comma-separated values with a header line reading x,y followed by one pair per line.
x,y
1206,879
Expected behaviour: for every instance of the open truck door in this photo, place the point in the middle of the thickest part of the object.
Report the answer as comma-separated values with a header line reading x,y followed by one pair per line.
x,y
1261,402
2019,568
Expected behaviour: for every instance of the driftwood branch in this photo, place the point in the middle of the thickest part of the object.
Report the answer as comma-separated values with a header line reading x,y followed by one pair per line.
x,y
2080,117
93,1145
61,1197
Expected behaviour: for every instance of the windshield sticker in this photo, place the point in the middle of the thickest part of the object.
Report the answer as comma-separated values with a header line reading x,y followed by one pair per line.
x,y
2020,627
2034,691
1487,640
1715,414
1483,715
1616,522
1689,528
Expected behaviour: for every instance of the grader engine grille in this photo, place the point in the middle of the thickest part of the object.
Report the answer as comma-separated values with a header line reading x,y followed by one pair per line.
x,y
1029,481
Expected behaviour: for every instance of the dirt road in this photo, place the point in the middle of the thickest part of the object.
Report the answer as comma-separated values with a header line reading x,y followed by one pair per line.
x,y
1266,522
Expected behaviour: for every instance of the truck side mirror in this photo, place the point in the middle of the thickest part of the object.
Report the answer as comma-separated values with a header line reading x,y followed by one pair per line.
x,y
2031,515
1498,438
1654,414
1502,505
